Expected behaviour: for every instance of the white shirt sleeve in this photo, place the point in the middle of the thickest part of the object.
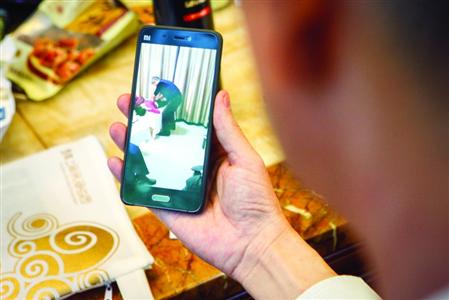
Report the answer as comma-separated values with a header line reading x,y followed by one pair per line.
x,y
340,287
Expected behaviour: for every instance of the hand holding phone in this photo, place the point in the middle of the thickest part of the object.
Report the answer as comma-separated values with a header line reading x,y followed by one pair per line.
x,y
242,210
242,217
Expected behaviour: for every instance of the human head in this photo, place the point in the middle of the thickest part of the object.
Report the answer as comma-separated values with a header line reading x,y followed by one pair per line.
x,y
357,92
155,80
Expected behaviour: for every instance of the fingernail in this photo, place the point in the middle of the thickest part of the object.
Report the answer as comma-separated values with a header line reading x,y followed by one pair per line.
x,y
226,100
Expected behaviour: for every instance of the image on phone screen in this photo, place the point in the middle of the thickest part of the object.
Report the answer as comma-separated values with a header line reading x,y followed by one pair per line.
x,y
170,119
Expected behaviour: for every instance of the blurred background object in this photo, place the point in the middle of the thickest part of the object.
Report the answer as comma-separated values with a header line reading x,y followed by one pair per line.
x,y
61,39
143,9
14,12
7,103
184,13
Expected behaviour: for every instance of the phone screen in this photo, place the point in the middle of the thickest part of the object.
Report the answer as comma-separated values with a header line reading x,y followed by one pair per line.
x,y
170,121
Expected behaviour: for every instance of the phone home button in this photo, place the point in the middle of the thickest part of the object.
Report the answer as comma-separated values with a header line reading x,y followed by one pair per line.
x,y
160,198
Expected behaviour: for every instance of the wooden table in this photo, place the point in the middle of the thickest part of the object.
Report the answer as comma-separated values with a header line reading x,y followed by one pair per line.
x,y
87,107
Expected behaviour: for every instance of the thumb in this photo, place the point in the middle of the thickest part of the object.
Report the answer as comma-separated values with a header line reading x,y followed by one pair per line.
x,y
229,133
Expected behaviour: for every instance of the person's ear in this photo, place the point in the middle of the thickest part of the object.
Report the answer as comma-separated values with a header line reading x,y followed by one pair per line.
x,y
300,39
312,41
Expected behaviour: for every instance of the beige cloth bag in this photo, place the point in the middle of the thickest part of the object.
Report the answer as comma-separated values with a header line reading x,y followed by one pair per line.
x,y
64,228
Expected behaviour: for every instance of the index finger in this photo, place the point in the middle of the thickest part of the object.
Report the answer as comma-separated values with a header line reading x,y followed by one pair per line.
x,y
123,103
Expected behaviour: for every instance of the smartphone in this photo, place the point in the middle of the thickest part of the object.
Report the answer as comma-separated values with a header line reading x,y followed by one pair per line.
x,y
170,118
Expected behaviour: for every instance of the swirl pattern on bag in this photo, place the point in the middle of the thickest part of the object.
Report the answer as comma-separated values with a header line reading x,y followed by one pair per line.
x,y
53,260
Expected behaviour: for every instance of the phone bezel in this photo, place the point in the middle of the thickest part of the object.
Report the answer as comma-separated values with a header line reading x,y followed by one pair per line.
x,y
183,201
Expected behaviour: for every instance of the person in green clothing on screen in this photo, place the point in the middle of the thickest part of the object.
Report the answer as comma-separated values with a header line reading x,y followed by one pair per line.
x,y
168,98
138,174
193,183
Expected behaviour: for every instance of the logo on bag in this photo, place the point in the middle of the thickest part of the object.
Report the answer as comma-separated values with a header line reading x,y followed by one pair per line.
x,y
54,260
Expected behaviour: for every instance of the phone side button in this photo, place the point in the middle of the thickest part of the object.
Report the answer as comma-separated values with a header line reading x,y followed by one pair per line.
x,y
160,198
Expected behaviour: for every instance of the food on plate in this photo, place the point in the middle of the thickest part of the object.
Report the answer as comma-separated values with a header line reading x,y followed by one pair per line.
x,y
58,60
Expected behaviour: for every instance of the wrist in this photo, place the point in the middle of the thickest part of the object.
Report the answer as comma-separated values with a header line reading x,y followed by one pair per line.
x,y
258,245
279,264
